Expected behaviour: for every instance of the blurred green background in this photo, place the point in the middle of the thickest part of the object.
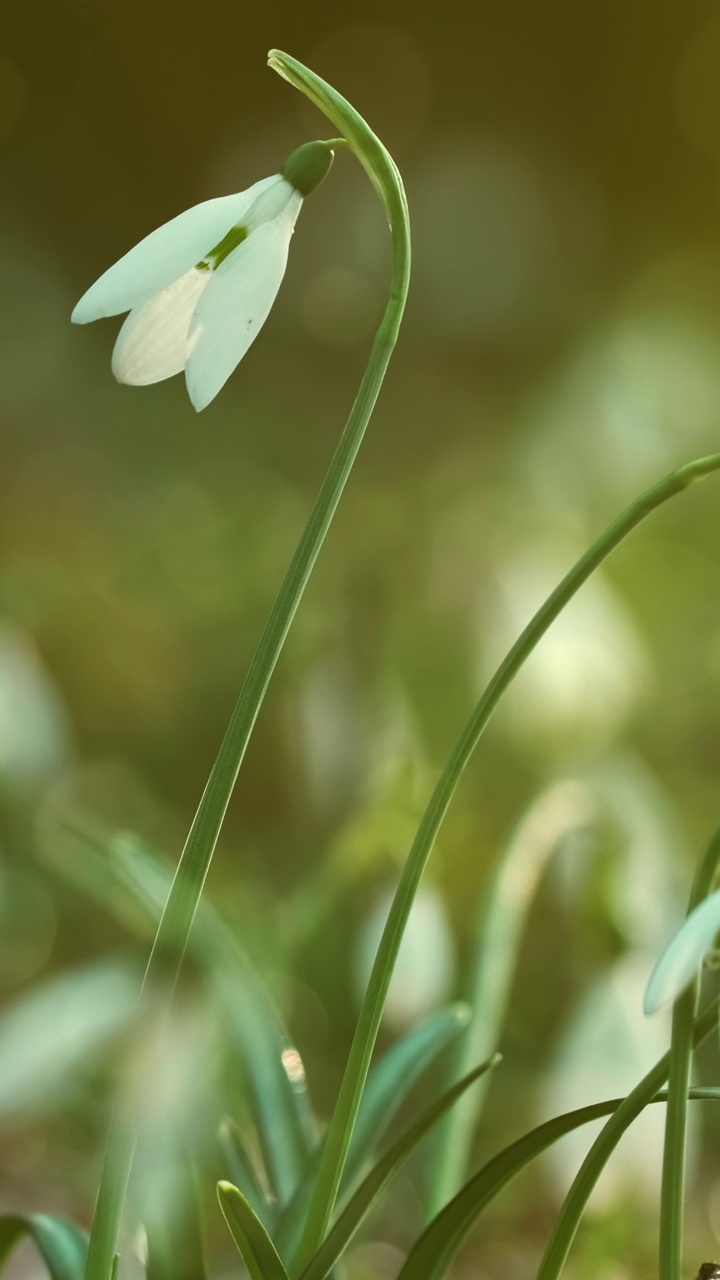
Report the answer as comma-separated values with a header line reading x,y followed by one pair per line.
x,y
561,351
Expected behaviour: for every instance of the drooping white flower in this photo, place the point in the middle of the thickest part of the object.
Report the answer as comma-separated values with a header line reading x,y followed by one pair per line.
x,y
200,288
681,959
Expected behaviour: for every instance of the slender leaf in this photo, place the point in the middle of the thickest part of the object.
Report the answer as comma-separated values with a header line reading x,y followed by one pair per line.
x,y
282,1104
285,1122
242,1172
679,962
62,1244
391,1080
346,1109
388,1085
433,1253
372,1187
258,1251
570,1215
672,1193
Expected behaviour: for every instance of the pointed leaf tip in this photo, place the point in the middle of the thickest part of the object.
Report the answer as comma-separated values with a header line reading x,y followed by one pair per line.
x,y
680,961
256,1248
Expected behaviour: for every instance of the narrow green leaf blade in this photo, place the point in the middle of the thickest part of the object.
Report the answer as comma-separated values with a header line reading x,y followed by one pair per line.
x,y
681,959
434,1251
242,1171
573,1207
339,1132
62,1244
388,1085
391,1080
257,1249
285,1120
274,1067
374,1184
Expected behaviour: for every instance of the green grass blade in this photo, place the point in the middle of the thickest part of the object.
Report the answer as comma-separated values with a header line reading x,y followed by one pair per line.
x,y
681,1052
242,1173
277,1081
111,869
568,1220
372,1187
344,1115
181,906
257,1249
433,1253
673,1174
62,1244
274,1068
387,1088
391,1080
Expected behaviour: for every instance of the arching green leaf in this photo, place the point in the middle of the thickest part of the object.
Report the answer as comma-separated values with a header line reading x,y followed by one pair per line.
x,y
388,1085
258,1251
285,1121
374,1184
434,1251
242,1171
391,1080
62,1244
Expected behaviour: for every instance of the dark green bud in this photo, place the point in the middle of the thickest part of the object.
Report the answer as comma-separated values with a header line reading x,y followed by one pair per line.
x,y
306,167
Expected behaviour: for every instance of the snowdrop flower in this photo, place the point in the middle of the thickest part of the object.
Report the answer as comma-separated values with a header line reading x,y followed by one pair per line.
x,y
679,963
200,288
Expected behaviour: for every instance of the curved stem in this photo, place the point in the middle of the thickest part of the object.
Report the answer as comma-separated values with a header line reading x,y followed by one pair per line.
x,y
568,1220
681,1051
432,1254
341,1125
176,922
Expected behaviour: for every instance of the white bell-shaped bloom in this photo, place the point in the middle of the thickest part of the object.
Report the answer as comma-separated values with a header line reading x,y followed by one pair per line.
x,y
200,288
681,959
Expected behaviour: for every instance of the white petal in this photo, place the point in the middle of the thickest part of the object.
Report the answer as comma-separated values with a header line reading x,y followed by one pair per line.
x,y
278,199
234,307
167,253
683,955
152,343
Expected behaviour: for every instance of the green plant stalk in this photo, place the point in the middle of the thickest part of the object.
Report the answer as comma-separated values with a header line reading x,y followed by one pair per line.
x,y
431,1255
568,1220
177,918
681,1051
341,1124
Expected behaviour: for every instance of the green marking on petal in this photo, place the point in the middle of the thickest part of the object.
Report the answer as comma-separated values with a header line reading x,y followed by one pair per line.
x,y
234,237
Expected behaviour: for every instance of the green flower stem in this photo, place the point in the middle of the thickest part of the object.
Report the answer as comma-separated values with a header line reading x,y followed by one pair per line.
x,y
681,1050
341,1125
568,1220
176,922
